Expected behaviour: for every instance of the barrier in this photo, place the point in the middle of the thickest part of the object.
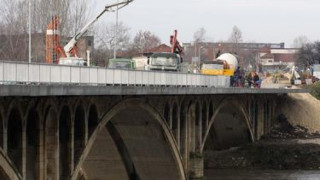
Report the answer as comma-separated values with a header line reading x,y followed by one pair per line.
x,y
25,73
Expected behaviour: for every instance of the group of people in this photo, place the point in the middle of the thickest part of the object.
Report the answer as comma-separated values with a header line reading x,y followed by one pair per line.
x,y
239,79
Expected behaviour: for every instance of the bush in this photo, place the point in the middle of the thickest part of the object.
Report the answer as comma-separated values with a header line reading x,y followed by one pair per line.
x,y
315,90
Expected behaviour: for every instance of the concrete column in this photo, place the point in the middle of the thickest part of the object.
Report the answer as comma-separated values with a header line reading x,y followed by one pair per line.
x,y
72,165
196,166
5,137
200,130
41,150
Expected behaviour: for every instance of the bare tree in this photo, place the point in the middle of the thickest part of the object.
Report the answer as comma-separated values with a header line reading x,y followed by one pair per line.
x,y
236,35
308,55
300,41
106,35
145,40
14,16
105,41
200,35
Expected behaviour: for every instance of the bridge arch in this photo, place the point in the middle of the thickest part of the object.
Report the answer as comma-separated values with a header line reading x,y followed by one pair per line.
x,y
7,172
227,103
115,112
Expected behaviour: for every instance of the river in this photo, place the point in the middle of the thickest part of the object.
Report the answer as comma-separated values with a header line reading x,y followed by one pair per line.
x,y
229,174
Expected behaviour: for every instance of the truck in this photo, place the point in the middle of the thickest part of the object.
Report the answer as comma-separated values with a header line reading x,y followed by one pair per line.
x,y
225,65
168,61
121,63
165,61
67,55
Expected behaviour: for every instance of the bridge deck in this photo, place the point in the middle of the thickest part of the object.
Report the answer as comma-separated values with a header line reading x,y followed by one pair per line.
x,y
67,90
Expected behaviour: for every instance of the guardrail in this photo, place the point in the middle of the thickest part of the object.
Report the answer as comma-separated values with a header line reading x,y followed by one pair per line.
x,y
25,73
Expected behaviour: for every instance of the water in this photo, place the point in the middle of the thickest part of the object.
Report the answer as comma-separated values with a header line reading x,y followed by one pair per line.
x,y
229,174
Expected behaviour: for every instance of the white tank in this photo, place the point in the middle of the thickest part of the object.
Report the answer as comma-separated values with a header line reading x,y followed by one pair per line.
x,y
230,59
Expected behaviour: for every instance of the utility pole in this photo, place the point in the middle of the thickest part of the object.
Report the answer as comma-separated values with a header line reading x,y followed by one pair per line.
x,y
116,34
29,31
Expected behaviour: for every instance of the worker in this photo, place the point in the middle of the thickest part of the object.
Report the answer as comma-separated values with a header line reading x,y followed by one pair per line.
x,y
237,77
256,80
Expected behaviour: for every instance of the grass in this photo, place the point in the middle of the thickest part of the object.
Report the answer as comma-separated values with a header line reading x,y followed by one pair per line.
x,y
315,90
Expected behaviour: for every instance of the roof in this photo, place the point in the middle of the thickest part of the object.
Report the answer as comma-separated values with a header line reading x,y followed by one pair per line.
x,y
284,57
265,49
267,56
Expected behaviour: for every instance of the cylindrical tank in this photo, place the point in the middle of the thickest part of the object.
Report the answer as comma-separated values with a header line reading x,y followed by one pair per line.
x,y
230,59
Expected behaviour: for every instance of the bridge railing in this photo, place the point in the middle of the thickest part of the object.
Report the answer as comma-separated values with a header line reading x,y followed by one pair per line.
x,y
25,73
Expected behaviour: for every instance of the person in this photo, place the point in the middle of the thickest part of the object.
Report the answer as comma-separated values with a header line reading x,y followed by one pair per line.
x,y
249,79
236,77
256,80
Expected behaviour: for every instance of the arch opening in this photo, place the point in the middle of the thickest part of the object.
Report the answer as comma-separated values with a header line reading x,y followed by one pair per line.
x,y
230,128
197,128
175,120
15,138
132,146
210,110
204,122
1,131
65,144
166,114
183,130
79,133
33,143
93,119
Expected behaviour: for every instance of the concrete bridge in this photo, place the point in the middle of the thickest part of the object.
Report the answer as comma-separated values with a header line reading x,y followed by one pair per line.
x,y
86,132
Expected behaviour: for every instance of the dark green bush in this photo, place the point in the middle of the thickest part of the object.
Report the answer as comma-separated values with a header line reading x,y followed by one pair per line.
x,y
315,90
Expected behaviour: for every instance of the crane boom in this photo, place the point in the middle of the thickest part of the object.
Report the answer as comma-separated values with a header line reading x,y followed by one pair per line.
x,y
71,44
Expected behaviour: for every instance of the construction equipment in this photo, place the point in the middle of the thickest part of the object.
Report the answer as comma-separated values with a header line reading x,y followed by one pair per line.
x,y
168,61
225,64
57,54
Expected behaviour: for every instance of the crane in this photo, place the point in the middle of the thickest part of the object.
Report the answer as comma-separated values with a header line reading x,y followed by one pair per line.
x,y
69,52
175,45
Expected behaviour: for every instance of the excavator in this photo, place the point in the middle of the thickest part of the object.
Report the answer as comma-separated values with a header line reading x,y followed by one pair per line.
x,y
67,55
168,61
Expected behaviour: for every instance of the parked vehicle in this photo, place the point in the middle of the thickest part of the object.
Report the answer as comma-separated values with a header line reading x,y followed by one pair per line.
x,y
121,63
165,61
225,64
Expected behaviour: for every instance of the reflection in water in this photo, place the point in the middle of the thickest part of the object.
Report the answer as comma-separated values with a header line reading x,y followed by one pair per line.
x,y
229,174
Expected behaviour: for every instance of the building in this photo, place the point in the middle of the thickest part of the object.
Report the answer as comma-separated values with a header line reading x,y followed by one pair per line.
x,y
210,50
272,60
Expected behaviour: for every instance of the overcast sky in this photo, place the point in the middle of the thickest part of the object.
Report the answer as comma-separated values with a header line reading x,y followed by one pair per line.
x,y
266,21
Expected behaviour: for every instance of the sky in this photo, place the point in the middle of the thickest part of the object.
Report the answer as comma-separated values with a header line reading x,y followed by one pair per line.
x,y
262,21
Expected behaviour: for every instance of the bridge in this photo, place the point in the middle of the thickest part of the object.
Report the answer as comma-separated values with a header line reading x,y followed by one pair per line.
x,y
79,123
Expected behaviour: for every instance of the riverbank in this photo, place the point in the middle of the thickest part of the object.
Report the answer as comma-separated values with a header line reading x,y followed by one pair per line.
x,y
285,148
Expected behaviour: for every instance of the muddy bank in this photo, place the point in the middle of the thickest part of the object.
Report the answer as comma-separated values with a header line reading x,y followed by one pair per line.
x,y
276,155
285,148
